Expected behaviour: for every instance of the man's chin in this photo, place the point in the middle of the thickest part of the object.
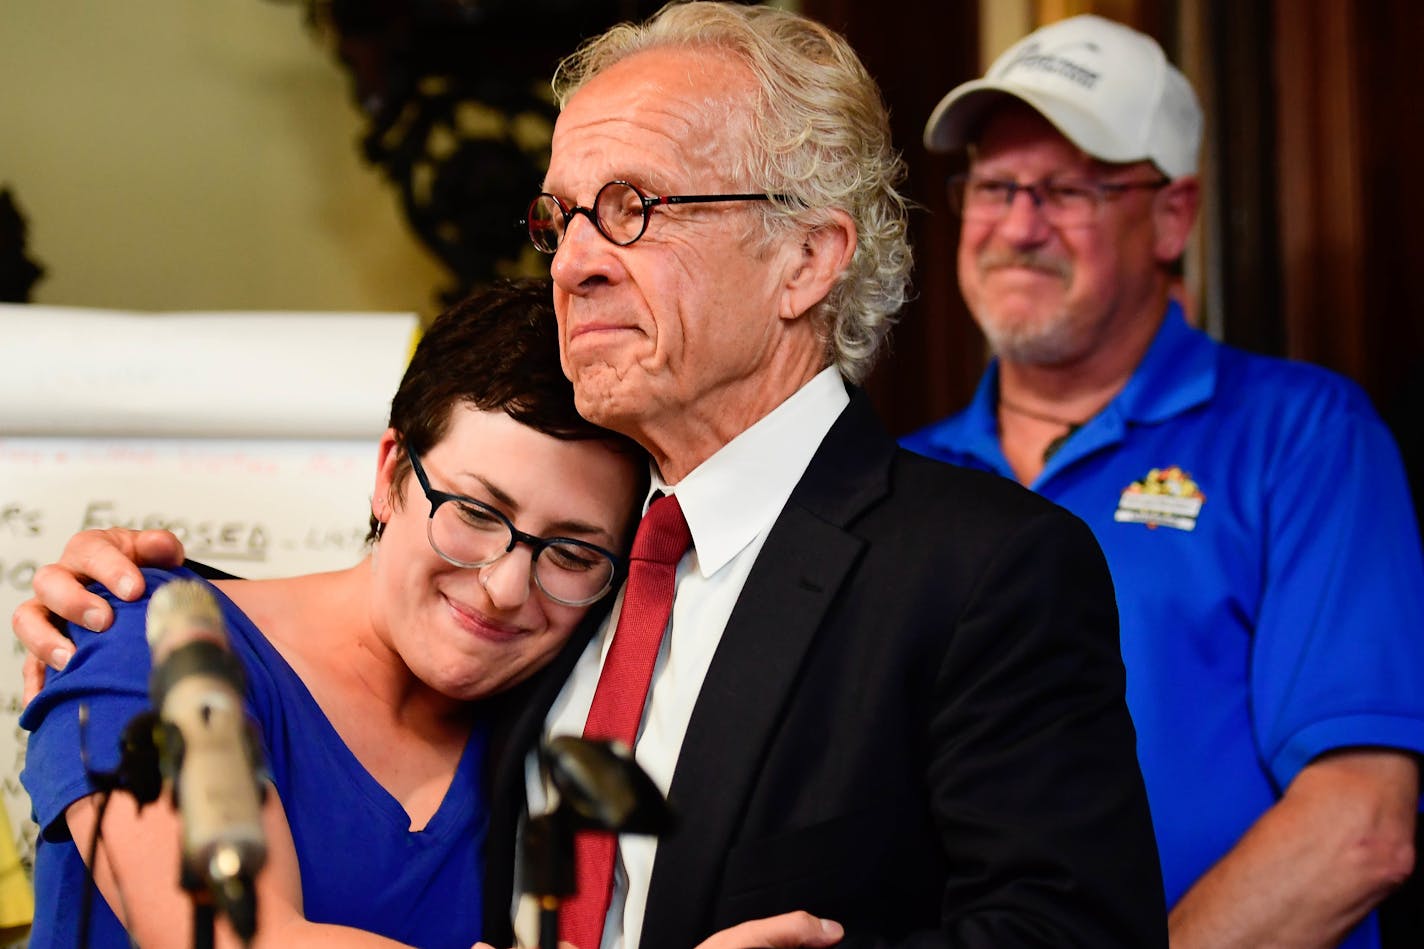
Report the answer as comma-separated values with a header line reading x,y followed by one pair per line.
x,y
1044,343
603,398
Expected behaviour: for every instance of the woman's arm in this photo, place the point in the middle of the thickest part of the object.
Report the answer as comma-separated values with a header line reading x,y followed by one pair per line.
x,y
136,869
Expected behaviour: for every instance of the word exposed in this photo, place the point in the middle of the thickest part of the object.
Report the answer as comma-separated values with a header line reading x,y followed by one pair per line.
x,y
238,539
228,540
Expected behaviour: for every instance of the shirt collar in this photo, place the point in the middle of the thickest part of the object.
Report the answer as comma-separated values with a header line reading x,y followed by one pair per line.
x,y
1177,373
738,492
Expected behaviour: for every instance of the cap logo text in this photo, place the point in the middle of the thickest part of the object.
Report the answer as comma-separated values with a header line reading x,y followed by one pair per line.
x,y
1031,59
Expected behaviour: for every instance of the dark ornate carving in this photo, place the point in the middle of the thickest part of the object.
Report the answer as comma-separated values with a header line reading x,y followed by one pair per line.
x,y
18,273
457,94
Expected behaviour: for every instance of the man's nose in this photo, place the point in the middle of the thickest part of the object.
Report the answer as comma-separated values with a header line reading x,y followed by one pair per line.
x,y
584,254
1024,221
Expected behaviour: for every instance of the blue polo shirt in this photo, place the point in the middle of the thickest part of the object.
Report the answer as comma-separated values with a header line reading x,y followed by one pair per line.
x,y
1259,530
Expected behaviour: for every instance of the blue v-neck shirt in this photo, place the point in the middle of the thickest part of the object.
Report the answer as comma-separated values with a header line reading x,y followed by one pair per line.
x,y
361,865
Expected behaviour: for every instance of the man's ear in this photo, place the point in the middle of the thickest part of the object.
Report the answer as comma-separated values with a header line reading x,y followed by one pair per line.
x,y
1173,213
825,253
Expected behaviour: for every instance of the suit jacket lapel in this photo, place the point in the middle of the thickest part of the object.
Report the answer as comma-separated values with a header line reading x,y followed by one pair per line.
x,y
806,558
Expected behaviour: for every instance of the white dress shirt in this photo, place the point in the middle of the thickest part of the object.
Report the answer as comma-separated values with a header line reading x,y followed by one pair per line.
x,y
730,501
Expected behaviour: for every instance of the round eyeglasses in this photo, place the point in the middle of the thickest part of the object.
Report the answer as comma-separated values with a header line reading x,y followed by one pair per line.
x,y
620,213
471,533
1063,203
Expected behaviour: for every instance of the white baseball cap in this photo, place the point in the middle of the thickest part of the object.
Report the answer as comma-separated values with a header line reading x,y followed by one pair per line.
x,y
1108,88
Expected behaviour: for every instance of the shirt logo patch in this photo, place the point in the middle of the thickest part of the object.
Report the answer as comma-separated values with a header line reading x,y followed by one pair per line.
x,y
1167,497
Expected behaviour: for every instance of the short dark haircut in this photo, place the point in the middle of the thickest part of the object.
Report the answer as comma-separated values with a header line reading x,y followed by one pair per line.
x,y
496,350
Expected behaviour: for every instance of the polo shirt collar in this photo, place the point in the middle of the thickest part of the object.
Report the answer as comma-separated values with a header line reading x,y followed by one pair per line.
x,y
1177,373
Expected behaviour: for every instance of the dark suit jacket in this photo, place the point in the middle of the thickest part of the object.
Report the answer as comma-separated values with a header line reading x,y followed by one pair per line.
x,y
914,724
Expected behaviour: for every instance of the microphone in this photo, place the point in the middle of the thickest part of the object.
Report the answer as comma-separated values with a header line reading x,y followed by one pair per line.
x,y
206,750
601,788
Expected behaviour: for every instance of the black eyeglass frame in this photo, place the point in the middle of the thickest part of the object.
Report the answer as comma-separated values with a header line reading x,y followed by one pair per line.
x,y
958,187
648,202
516,536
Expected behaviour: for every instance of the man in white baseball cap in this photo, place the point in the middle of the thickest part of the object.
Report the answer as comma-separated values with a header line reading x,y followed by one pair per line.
x,y
1254,511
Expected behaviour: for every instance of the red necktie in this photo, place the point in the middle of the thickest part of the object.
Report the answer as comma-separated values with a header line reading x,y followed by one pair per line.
x,y
661,541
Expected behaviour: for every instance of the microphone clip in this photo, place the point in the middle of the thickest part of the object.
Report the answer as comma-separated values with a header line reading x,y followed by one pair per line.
x,y
138,773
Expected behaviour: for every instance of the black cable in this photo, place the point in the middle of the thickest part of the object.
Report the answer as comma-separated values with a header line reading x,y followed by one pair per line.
x,y
91,886
137,774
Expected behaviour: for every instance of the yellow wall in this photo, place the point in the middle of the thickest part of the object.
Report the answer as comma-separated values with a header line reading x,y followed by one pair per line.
x,y
195,154
1002,23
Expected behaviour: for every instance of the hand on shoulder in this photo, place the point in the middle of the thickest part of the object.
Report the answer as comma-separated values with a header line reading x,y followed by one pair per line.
x,y
110,557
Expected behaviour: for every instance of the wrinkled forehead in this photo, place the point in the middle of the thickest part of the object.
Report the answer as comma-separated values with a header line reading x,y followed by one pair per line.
x,y
662,118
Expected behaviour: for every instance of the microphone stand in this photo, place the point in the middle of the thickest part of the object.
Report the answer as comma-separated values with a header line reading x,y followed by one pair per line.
x,y
229,891
549,870
601,788
204,919
549,923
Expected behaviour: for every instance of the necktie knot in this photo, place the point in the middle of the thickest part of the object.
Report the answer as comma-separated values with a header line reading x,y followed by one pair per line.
x,y
663,536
